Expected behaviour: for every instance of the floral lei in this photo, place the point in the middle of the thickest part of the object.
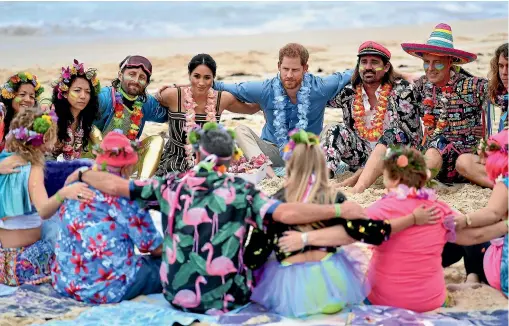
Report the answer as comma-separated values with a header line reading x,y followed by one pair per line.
x,y
281,99
136,114
434,128
22,77
72,145
359,113
190,106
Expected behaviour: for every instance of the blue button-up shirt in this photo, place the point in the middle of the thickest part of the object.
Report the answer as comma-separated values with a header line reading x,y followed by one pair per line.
x,y
322,90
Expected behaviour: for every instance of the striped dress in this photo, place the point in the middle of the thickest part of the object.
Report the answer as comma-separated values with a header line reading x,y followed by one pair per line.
x,y
174,155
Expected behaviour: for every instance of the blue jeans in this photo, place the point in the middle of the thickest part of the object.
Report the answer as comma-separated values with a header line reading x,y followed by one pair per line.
x,y
147,279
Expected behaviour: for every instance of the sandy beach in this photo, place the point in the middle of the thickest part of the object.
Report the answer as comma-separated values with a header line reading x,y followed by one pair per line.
x,y
244,58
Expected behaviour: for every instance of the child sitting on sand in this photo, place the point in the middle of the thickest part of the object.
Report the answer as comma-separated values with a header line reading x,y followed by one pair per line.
x,y
24,256
319,278
95,260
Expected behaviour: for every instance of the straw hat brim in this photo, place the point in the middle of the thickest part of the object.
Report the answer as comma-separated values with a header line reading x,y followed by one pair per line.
x,y
459,56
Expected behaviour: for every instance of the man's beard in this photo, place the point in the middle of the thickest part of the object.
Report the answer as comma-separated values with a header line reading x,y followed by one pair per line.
x,y
292,84
130,91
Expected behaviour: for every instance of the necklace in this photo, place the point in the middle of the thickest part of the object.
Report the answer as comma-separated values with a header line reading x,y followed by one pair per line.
x,y
359,113
434,128
72,146
136,113
280,122
190,106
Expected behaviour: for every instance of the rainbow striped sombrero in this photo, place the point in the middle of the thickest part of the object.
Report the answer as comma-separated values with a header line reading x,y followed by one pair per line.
x,y
439,43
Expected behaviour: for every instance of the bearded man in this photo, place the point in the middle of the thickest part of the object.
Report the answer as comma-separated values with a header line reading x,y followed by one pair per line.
x,y
378,111
126,106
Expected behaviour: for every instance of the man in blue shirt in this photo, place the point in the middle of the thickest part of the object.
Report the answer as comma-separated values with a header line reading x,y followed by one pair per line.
x,y
292,99
126,106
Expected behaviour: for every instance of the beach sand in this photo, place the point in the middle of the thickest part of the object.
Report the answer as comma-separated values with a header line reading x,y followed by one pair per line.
x,y
245,58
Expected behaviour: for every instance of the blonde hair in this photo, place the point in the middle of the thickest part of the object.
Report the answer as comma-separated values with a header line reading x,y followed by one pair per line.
x,y
306,161
32,154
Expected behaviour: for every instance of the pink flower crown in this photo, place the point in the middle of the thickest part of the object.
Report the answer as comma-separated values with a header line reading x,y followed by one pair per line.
x,y
77,69
35,135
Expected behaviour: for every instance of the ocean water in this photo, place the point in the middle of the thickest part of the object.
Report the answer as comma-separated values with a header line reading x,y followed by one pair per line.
x,y
106,20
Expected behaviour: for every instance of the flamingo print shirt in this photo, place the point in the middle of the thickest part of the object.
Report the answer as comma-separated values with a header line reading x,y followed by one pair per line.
x,y
202,269
95,260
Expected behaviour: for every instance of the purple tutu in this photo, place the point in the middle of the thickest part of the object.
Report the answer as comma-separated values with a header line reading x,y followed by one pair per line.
x,y
304,289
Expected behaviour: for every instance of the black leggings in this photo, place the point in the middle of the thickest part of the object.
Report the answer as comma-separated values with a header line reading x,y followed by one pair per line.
x,y
473,257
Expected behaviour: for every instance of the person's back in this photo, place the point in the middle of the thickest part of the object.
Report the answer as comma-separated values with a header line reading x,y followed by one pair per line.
x,y
95,251
406,271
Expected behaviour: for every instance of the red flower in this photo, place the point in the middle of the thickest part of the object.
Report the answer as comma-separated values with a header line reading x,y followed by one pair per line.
x,y
72,289
428,102
75,228
111,200
428,120
110,219
447,89
79,262
145,246
138,223
87,204
61,212
99,299
106,276
97,248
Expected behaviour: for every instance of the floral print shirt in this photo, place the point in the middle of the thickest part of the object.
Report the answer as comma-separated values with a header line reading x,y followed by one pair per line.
x,y
465,96
95,260
208,214
402,109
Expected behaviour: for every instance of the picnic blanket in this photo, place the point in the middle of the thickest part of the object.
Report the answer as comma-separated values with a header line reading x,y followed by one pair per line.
x,y
41,305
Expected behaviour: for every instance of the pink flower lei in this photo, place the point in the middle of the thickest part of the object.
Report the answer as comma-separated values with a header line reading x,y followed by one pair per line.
x,y
190,106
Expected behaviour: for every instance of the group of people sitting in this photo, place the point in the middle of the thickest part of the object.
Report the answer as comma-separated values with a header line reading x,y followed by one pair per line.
x,y
77,223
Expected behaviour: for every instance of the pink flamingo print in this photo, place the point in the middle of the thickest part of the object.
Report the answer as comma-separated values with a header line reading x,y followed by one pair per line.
x,y
240,235
227,194
171,253
194,217
163,273
187,298
215,225
220,266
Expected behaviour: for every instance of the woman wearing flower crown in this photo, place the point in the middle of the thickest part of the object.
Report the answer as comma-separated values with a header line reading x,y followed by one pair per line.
x,y
191,106
490,223
318,278
25,257
20,91
75,97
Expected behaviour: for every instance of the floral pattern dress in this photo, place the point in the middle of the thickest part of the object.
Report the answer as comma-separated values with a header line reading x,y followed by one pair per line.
x,y
95,260
342,143
466,97
208,215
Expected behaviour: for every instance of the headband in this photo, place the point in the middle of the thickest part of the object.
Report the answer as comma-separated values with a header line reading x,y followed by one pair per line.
x,y
77,69
299,136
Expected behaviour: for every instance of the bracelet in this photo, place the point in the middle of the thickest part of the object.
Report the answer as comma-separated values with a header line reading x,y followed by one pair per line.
x,y
81,172
468,220
337,207
304,237
59,198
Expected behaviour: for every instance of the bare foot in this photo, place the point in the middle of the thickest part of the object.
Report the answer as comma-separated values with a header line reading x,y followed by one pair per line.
x,y
358,189
472,278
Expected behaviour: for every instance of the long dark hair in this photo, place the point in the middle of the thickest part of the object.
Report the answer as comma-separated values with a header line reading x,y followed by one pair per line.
x,y
202,59
495,85
389,77
116,83
9,110
86,116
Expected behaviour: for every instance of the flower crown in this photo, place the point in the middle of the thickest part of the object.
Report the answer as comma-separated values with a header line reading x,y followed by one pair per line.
x,y
35,135
136,146
405,159
21,77
196,134
299,136
77,69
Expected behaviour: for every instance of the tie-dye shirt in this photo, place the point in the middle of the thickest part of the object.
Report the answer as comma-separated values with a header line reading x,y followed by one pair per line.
x,y
95,260
208,214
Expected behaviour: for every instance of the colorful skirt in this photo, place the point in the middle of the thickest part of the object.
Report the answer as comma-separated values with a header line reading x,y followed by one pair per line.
x,y
30,265
304,289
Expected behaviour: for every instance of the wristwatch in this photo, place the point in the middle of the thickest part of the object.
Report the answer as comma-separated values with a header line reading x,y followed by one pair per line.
x,y
82,171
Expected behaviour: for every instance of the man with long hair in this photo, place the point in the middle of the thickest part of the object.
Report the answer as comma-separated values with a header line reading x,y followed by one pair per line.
x,y
469,165
378,111
125,105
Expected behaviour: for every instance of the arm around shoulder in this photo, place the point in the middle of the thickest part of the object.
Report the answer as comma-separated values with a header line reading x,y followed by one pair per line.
x,y
236,106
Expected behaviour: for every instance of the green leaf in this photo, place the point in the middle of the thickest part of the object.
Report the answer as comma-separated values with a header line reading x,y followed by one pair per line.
x,y
216,304
217,293
217,204
225,232
240,281
199,263
180,255
183,274
230,248
185,240
179,222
